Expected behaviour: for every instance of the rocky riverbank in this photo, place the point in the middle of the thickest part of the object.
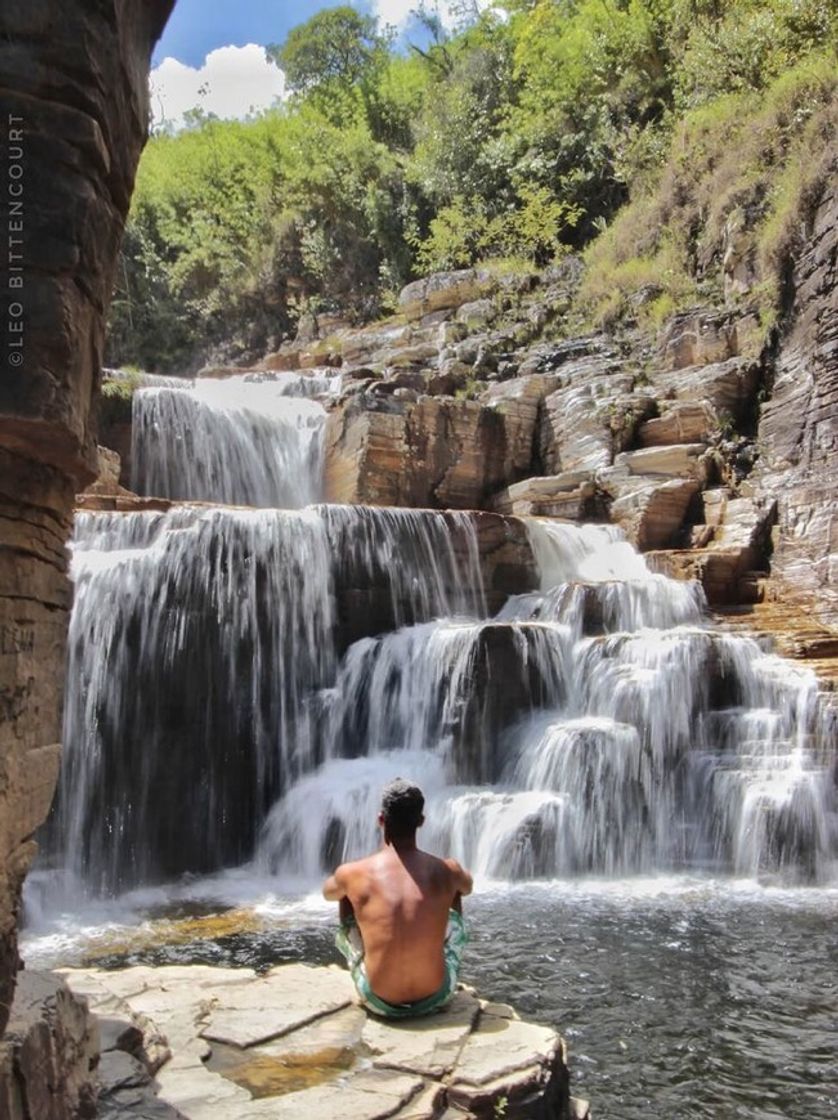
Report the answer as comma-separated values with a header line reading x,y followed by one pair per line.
x,y
201,1043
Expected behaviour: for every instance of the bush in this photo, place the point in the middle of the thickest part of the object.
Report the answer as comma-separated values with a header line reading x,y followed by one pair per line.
x,y
756,158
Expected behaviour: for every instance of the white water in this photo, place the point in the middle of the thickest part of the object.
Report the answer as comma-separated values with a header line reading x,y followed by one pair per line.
x,y
203,654
653,742
596,726
248,440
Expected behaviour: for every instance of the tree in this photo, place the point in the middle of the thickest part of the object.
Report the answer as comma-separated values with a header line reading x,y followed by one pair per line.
x,y
337,48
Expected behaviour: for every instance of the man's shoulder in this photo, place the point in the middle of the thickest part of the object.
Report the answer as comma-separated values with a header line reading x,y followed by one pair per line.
x,y
355,868
442,864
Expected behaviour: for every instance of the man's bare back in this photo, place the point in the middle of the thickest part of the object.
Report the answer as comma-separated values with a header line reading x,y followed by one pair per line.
x,y
400,897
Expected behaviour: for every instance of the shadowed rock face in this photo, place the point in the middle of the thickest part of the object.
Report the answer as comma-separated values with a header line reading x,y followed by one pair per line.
x,y
799,426
73,119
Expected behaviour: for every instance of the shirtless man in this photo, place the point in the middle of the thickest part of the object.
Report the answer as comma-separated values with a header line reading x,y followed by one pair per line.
x,y
402,929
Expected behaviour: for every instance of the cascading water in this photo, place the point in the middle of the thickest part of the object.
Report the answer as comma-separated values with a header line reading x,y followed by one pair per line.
x,y
195,640
241,684
252,440
202,664
594,726
609,731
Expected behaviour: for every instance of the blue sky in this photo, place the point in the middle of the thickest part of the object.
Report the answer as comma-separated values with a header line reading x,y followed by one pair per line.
x,y
197,27
211,55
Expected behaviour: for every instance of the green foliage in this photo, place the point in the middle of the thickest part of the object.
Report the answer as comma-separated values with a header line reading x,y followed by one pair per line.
x,y
333,58
116,399
521,133
463,233
749,44
749,163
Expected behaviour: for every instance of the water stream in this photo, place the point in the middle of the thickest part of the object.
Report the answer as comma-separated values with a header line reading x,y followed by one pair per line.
x,y
247,440
643,798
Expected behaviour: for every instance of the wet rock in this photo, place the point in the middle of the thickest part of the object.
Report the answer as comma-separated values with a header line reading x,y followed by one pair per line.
x,y
727,559
475,1058
365,602
510,677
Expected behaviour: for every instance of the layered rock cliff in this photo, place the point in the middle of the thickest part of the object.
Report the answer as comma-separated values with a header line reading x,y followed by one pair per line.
x,y
798,429
74,109
711,442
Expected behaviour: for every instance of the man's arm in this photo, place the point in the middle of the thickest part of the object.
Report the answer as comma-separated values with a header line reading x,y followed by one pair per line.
x,y
334,889
461,880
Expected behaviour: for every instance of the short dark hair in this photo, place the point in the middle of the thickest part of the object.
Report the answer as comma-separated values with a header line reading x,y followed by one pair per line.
x,y
402,804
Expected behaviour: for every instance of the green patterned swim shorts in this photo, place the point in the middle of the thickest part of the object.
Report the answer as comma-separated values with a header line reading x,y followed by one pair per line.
x,y
350,945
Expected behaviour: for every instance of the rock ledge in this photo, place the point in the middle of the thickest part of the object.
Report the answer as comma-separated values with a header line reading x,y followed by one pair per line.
x,y
218,1042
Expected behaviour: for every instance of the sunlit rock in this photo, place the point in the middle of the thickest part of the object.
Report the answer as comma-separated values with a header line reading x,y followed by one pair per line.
x,y
320,1059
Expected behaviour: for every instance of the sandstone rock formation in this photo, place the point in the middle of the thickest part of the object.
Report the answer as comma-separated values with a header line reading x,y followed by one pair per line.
x,y
49,1053
434,452
76,102
798,429
294,1043
444,290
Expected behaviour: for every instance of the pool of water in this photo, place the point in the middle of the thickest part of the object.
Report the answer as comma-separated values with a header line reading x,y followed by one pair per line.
x,y
679,998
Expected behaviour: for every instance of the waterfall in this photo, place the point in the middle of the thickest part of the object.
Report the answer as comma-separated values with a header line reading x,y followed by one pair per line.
x,y
242,681
245,440
596,726
196,639
203,653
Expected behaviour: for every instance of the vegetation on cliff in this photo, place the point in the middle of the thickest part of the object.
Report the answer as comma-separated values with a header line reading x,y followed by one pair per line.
x,y
674,141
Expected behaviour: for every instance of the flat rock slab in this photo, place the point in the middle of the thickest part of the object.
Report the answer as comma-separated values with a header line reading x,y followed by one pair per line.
x,y
366,1096
294,1044
285,999
501,1046
430,1046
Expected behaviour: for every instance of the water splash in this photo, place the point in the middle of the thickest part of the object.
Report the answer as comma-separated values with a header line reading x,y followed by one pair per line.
x,y
609,731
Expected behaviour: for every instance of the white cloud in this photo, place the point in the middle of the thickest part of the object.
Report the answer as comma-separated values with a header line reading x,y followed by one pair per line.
x,y
233,82
398,13
395,12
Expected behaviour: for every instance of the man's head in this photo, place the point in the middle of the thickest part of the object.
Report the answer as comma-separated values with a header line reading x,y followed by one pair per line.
x,y
401,813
